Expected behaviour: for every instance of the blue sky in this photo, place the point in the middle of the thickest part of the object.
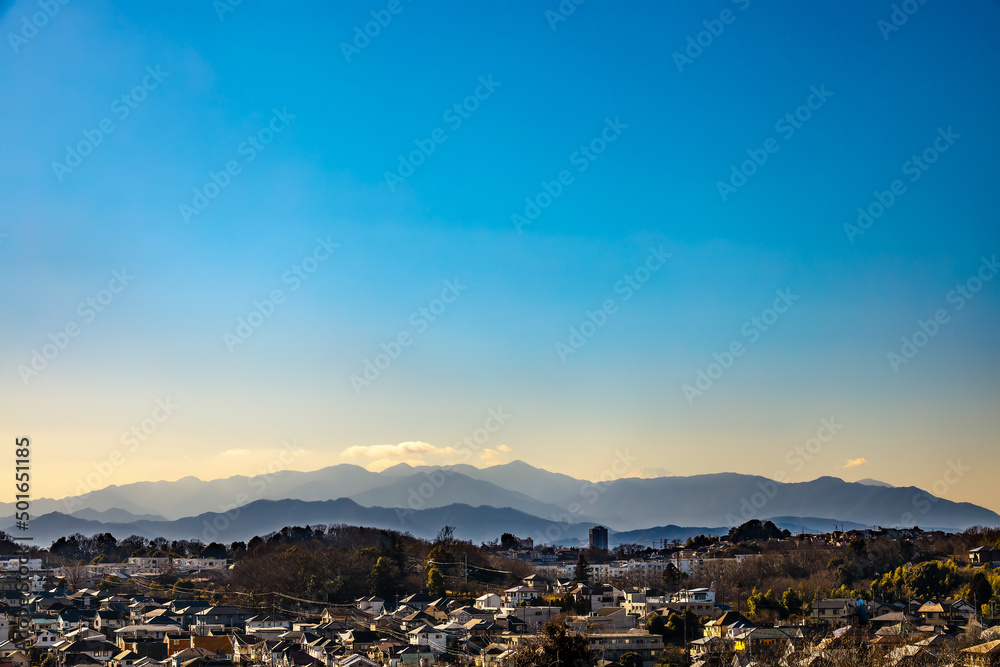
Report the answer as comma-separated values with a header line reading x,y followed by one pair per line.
x,y
345,124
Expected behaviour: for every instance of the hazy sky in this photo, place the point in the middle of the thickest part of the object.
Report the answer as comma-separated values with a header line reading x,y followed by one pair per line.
x,y
217,217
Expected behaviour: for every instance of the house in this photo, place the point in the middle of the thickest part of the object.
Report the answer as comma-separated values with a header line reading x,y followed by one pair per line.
x,y
600,595
412,655
106,621
147,631
462,614
534,617
613,645
490,601
983,655
727,626
949,611
757,640
605,619
493,655
220,644
96,650
836,611
124,659
517,595
46,639
223,616
15,659
640,602
418,601
985,555
265,622
436,640
356,660
372,604
359,641
69,619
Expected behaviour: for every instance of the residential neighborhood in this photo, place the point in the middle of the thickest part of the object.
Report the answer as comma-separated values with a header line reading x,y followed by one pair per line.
x,y
638,611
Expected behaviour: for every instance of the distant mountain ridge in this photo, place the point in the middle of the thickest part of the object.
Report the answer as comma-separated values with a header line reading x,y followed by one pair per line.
x,y
518,494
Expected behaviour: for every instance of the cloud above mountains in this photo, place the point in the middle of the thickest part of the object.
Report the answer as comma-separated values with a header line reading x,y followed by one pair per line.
x,y
417,453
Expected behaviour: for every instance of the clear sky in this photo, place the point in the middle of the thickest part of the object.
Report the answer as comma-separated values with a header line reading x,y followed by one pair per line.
x,y
508,172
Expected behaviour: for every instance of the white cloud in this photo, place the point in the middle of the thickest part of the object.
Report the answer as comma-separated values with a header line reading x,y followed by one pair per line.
x,y
396,452
416,453
855,463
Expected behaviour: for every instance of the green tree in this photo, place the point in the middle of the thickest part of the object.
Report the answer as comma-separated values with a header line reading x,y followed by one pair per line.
x,y
980,590
655,624
435,583
383,580
674,629
555,644
631,659
763,605
50,660
582,572
930,580
792,602
508,541
672,577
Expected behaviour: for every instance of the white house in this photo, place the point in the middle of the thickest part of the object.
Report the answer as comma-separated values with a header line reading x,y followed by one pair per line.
x,y
512,597
490,601
266,622
430,637
372,604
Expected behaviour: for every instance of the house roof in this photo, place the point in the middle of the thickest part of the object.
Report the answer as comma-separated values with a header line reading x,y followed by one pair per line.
x,y
833,603
731,619
989,648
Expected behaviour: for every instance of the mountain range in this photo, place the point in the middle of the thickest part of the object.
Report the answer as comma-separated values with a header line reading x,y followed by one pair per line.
x,y
484,502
